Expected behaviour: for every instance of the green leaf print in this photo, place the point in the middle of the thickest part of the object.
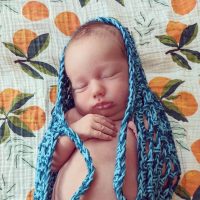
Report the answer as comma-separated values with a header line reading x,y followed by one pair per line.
x,y
38,45
14,49
20,100
121,2
31,72
2,111
170,87
19,150
44,68
179,60
19,111
172,97
173,111
6,189
167,40
84,2
4,132
188,35
179,134
193,56
181,192
18,127
196,195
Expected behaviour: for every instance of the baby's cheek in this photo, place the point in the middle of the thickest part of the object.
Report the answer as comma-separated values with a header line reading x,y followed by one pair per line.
x,y
81,104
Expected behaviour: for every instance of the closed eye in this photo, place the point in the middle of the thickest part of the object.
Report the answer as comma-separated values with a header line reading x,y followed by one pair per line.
x,y
110,75
79,88
107,76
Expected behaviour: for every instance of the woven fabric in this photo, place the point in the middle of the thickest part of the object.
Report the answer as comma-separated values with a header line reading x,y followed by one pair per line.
x,y
158,137
33,34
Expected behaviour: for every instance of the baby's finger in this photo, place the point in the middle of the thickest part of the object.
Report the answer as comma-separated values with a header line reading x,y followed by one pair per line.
x,y
100,117
56,161
104,129
56,157
105,122
54,166
99,135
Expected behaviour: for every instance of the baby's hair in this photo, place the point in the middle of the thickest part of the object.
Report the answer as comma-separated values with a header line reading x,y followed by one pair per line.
x,y
95,28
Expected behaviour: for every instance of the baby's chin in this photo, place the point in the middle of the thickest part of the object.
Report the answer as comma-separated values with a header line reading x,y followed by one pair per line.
x,y
111,114
117,117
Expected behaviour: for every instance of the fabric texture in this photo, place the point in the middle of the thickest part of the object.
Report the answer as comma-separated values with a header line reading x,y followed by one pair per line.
x,y
32,37
158,137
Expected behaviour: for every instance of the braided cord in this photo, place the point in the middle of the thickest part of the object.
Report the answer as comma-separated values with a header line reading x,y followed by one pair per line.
x,y
155,145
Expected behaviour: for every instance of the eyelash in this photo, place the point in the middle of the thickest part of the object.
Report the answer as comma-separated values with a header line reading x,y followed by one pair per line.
x,y
102,77
79,88
109,75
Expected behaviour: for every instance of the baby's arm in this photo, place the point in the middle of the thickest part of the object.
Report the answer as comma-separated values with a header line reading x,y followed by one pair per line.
x,y
64,146
87,127
63,151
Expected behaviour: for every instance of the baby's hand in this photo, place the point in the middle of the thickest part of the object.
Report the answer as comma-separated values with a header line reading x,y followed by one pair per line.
x,y
94,126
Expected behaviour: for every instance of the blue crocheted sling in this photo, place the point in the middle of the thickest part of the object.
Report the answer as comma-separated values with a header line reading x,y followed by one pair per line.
x,y
153,184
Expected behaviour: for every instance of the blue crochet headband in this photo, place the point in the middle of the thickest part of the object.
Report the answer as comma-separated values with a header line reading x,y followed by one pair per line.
x,y
158,167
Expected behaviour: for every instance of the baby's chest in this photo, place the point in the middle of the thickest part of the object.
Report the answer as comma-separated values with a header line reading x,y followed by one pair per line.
x,y
102,151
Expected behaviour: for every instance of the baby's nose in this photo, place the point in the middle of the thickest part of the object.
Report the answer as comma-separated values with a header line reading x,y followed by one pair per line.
x,y
98,89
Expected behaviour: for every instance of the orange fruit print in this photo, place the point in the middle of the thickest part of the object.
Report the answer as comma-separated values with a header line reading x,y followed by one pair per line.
x,y
34,117
34,11
6,98
191,181
157,84
30,195
175,29
67,22
195,147
53,93
22,39
186,103
183,7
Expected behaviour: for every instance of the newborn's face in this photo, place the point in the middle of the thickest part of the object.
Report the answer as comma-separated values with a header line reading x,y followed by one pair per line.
x,y
99,75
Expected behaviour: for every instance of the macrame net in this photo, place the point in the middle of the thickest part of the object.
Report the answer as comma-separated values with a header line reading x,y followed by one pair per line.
x,y
158,165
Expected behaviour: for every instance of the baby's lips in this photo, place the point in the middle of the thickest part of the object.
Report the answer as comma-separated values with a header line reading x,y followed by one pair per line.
x,y
103,105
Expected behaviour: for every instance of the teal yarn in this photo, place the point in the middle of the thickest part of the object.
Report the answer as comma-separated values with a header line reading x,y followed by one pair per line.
x,y
154,183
